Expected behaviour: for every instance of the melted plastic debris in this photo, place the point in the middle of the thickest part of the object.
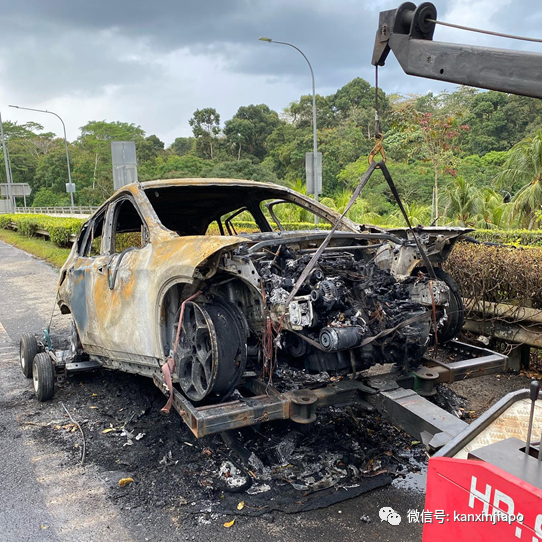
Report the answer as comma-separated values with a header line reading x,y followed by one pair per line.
x,y
231,475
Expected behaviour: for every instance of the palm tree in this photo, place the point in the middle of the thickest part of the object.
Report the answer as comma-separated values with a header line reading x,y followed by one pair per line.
x,y
357,211
462,201
524,166
493,212
416,212
298,185
289,212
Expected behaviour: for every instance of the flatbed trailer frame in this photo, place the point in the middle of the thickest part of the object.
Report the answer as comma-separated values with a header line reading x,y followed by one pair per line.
x,y
399,398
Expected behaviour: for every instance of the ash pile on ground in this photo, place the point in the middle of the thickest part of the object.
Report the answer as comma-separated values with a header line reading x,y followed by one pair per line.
x,y
291,468
450,401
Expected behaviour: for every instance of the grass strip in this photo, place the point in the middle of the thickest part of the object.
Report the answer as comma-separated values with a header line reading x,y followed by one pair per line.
x,y
38,247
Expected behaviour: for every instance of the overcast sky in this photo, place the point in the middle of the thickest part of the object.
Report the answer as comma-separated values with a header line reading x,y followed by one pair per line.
x,y
154,62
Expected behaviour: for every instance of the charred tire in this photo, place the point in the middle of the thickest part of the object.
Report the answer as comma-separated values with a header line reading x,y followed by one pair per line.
x,y
27,351
456,310
212,354
43,377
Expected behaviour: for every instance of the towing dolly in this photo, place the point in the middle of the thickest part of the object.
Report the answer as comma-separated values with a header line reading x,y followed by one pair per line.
x,y
46,365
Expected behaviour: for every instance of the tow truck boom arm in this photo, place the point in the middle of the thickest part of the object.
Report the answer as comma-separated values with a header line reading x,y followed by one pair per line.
x,y
408,32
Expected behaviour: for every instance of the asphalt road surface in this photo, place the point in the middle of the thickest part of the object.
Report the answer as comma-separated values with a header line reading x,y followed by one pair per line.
x,y
46,496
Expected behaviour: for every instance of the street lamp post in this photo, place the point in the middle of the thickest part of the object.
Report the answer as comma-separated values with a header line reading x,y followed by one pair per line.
x,y
65,143
8,169
314,136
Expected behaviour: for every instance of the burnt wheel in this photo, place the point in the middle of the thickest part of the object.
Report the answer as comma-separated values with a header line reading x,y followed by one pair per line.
x,y
456,309
27,351
43,375
212,351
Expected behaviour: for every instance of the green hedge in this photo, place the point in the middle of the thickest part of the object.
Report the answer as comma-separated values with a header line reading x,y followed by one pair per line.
x,y
60,229
532,238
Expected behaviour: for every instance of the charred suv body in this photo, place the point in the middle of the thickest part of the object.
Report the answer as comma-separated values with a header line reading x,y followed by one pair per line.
x,y
369,299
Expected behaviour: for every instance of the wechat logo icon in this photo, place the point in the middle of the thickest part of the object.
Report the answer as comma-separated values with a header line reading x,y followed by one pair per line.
x,y
390,515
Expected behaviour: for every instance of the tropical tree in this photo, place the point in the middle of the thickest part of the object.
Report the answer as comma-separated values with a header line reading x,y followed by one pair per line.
x,y
417,213
301,112
462,201
205,127
240,134
183,145
524,167
253,124
493,212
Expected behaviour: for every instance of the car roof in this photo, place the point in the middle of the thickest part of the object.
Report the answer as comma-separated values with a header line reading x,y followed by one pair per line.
x,y
209,181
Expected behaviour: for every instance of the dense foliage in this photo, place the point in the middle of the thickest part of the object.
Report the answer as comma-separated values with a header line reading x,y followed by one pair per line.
x,y
469,157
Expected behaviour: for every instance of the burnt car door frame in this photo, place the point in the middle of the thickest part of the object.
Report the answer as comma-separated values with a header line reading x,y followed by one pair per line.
x,y
124,324
81,275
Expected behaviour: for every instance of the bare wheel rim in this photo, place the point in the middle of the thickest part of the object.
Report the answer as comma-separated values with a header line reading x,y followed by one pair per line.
x,y
197,356
35,380
21,355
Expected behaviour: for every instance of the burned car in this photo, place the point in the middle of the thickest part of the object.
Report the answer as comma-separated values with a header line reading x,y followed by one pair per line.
x,y
221,251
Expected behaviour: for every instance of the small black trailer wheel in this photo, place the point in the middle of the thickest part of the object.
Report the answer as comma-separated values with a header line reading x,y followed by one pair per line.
x,y
27,351
43,375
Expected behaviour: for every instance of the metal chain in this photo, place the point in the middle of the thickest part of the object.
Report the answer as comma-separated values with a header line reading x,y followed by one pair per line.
x,y
488,32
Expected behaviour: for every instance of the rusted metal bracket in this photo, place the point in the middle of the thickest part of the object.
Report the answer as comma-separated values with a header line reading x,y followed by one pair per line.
x,y
408,32
388,393
298,405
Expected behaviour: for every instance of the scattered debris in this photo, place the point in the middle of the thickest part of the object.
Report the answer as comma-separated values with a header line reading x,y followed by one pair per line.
x,y
228,524
451,402
167,460
233,477
125,481
260,488
289,468
84,449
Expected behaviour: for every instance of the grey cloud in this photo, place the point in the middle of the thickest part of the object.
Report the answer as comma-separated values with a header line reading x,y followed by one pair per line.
x,y
58,48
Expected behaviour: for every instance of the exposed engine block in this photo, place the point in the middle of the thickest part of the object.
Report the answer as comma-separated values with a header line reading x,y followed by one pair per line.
x,y
345,303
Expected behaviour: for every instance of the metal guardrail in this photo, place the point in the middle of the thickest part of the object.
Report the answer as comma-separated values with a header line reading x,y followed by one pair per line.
x,y
77,210
510,323
513,324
